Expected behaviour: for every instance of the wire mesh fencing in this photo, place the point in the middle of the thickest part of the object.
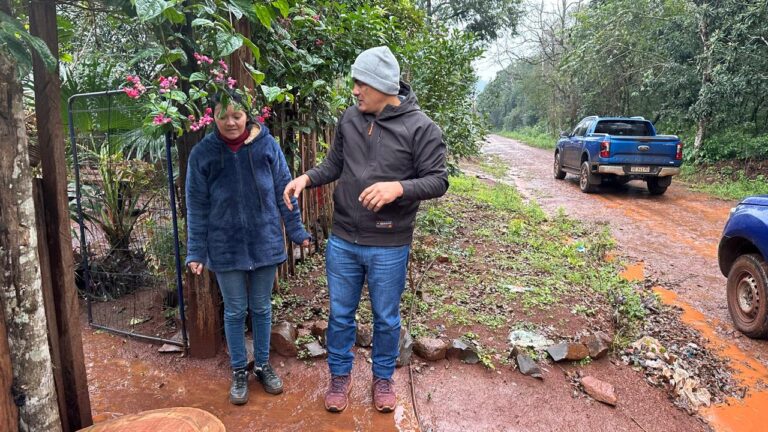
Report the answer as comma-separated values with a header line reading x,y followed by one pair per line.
x,y
125,232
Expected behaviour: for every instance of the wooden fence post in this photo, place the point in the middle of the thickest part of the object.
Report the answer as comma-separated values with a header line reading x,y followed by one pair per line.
x,y
204,322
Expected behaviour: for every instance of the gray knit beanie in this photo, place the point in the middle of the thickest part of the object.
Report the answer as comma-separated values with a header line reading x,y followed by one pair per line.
x,y
378,68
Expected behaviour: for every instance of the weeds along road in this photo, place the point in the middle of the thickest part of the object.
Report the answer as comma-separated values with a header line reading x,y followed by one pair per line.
x,y
675,235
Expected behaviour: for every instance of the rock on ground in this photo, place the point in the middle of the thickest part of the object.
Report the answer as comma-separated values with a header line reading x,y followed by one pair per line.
x,y
431,349
283,339
599,390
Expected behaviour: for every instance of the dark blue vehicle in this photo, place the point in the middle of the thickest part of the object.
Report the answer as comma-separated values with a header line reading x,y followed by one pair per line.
x,y
618,149
742,256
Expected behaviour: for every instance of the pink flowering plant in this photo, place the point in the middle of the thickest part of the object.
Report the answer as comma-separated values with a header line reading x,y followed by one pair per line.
x,y
169,109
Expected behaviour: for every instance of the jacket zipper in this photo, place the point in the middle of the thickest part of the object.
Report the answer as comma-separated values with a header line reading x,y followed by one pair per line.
x,y
367,164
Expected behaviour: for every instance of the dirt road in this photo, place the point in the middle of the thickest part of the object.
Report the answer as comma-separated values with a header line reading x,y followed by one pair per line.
x,y
675,235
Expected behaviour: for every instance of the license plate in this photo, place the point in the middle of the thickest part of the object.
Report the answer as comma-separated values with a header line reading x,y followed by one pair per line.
x,y
640,169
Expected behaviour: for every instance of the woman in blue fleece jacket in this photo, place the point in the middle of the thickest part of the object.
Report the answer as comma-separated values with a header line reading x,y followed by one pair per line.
x,y
235,179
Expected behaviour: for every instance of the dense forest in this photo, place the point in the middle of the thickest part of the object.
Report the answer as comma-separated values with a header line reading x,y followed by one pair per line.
x,y
696,68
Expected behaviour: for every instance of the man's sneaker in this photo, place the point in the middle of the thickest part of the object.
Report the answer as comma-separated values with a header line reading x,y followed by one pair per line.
x,y
337,396
238,393
384,398
269,379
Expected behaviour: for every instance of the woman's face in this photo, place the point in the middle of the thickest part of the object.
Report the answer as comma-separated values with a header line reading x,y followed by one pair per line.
x,y
231,123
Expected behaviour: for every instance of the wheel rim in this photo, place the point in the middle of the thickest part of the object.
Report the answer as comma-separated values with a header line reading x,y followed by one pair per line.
x,y
747,296
584,178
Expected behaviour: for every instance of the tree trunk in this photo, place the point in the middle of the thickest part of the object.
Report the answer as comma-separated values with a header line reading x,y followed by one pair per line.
x,y
706,81
9,412
20,284
69,359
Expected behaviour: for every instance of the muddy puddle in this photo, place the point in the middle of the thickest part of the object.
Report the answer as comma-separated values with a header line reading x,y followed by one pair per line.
x,y
131,378
735,415
748,414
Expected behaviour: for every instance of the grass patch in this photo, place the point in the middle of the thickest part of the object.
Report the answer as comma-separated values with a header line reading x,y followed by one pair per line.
x,y
532,136
516,256
493,165
724,182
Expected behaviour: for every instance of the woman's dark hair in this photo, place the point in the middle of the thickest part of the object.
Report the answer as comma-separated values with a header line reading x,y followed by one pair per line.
x,y
226,96
229,97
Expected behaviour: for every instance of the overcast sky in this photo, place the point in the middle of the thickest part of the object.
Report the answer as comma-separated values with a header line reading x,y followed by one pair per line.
x,y
490,64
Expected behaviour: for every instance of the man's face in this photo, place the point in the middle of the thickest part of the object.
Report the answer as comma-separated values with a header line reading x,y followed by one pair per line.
x,y
369,100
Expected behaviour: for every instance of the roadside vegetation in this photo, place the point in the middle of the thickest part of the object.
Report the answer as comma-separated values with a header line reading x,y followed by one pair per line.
x,y
679,63
485,262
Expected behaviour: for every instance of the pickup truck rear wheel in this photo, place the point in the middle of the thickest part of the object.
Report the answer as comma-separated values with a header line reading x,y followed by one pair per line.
x,y
585,179
654,187
559,173
746,292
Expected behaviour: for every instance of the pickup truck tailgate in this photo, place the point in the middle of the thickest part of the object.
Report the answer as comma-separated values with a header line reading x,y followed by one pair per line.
x,y
639,150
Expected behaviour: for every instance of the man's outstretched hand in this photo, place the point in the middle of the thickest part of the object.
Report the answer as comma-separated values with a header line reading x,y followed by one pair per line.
x,y
294,188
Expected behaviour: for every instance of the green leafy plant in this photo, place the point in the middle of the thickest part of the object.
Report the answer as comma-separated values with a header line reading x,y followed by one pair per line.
x,y
16,41
117,196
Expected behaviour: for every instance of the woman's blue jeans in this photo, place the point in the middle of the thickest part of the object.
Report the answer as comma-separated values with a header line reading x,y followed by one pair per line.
x,y
347,267
245,291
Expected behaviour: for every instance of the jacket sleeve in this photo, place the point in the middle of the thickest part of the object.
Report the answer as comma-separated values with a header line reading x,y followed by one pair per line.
x,y
330,169
281,176
198,208
429,162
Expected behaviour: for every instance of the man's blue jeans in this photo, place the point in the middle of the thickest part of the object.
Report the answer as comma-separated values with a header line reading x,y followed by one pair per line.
x,y
347,267
245,291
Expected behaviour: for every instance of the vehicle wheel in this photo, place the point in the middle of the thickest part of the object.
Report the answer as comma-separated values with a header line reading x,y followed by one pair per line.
x,y
746,292
559,173
653,186
585,183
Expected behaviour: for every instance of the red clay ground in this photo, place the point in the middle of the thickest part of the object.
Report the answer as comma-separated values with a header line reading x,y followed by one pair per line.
x,y
127,376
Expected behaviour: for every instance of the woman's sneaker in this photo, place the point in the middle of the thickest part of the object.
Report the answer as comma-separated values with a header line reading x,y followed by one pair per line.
x,y
269,379
238,392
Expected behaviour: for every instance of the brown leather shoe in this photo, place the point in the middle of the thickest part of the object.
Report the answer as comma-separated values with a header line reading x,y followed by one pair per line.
x,y
384,398
337,396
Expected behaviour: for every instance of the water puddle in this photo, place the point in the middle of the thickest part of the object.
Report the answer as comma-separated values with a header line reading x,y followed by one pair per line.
x,y
735,415
634,272
124,378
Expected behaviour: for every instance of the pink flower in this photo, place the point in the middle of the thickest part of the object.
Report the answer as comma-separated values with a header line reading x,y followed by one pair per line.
x,y
131,92
202,59
161,119
319,42
224,66
316,17
206,120
266,112
231,82
208,111
260,119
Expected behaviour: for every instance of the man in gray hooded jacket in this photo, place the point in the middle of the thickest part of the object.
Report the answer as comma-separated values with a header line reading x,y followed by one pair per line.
x,y
387,156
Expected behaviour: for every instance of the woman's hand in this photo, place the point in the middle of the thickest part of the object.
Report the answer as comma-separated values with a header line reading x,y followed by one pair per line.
x,y
195,267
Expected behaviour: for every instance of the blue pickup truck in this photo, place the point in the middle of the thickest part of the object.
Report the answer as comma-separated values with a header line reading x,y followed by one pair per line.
x,y
742,255
618,149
